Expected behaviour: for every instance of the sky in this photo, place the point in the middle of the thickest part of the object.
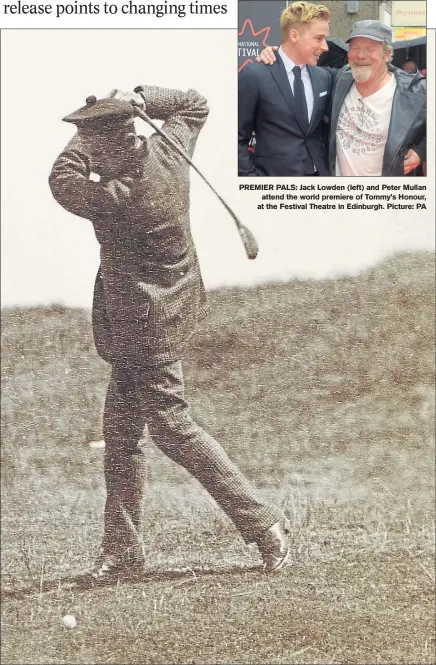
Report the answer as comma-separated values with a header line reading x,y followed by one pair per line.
x,y
50,256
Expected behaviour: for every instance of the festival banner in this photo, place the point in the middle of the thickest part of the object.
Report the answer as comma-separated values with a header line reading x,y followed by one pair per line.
x,y
258,26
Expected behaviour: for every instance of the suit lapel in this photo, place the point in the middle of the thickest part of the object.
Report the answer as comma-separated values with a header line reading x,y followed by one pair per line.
x,y
316,82
280,76
339,92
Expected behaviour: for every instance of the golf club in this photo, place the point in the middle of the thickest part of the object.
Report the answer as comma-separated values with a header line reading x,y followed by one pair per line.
x,y
249,241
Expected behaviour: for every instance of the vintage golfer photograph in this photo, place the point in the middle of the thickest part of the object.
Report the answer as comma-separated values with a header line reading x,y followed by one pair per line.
x,y
217,420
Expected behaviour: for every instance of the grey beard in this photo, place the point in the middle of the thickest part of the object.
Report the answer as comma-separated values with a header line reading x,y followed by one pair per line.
x,y
361,74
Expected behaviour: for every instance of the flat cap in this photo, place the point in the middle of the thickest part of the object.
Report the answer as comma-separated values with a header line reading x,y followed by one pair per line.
x,y
102,114
370,29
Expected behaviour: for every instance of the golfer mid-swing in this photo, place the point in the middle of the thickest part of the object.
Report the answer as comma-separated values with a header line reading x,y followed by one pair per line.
x,y
148,297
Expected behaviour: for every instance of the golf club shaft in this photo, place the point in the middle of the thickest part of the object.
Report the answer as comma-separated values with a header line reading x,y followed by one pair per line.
x,y
242,230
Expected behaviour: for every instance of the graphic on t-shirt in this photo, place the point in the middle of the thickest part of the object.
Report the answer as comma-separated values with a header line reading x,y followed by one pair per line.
x,y
358,129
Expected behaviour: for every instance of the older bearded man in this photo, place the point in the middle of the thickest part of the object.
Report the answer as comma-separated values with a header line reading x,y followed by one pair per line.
x,y
378,112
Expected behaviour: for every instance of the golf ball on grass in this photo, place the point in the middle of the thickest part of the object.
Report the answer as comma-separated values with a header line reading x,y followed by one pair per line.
x,y
69,621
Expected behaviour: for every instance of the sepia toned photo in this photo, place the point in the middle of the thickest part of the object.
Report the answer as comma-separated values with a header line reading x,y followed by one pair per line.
x,y
217,418
332,89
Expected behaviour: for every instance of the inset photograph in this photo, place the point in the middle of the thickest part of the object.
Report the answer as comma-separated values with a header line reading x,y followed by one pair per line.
x,y
332,89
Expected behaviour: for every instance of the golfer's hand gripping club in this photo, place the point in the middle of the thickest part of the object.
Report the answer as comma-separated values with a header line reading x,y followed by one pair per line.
x,y
249,241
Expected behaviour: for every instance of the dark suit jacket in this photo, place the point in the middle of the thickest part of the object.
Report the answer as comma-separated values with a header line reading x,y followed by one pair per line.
x,y
148,292
267,106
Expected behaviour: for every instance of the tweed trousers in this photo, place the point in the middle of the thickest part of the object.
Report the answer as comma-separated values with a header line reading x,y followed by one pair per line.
x,y
154,396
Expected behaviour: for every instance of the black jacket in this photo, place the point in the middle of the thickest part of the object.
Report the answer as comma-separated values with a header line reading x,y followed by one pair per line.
x,y
267,106
407,127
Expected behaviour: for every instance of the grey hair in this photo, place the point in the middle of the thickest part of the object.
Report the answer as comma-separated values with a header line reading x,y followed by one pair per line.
x,y
387,48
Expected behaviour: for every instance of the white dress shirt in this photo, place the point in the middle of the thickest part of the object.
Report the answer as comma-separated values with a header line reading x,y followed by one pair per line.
x,y
289,66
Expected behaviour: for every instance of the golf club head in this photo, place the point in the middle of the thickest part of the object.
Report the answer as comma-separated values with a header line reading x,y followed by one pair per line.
x,y
250,243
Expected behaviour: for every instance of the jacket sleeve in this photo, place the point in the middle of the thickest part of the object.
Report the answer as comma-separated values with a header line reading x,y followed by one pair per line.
x,y
183,113
248,95
420,146
421,149
332,72
73,190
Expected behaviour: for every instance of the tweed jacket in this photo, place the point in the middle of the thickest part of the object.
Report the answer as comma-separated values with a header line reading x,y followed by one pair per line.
x,y
148,293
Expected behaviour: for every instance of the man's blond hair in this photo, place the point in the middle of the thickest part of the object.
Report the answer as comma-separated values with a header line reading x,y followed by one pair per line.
x,y
300,14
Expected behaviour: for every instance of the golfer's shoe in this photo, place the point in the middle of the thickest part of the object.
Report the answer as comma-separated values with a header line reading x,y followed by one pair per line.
x,y
274,547
109,568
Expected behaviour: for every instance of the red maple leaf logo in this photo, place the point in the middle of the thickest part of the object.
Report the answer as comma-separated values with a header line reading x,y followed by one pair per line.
x,y
248,26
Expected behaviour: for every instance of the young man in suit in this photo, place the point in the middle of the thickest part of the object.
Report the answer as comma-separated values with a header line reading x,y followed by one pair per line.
x,y
148,297
285,104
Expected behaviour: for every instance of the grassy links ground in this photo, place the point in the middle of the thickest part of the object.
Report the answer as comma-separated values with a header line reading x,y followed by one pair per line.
x,y
324,394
